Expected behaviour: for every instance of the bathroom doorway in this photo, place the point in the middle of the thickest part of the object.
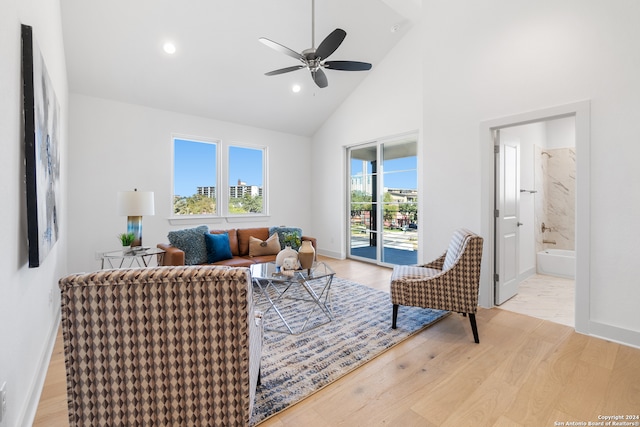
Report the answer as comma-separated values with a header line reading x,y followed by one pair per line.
x,y
535,230
530,232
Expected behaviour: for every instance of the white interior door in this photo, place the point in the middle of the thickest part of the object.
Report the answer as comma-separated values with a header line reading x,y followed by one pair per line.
x,y
507,208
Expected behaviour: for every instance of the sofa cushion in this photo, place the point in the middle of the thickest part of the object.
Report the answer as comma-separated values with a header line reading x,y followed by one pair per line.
x,y
233,239
191,241
288,235
258,247
218,248
244,234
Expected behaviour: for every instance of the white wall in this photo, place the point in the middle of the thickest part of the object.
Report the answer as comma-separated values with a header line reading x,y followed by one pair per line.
x,y
493,59
561,133
28,319
116,146
499,58
376,109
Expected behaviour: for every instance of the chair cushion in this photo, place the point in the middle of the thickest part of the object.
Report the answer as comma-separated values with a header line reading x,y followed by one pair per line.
x,y
191,241
218,248
455,248
258,247
408,272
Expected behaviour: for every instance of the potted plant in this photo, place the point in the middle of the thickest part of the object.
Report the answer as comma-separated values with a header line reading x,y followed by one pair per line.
x,y
292,239
126,239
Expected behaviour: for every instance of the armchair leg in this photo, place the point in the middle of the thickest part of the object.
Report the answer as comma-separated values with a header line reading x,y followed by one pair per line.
x,y
474,327
394,316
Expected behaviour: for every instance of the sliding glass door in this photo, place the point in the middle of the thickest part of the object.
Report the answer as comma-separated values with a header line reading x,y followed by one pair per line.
x,y
383,200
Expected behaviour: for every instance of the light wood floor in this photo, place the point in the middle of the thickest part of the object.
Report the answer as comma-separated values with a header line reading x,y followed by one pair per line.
x,y
525,372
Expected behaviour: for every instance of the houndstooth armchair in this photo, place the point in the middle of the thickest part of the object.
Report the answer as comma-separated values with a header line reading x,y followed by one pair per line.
x,y
165,346
450,282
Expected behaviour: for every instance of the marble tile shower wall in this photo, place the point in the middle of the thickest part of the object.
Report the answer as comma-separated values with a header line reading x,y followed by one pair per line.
x,y
555,180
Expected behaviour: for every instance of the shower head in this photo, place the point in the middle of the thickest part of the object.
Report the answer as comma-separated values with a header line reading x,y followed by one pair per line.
x,y
544,152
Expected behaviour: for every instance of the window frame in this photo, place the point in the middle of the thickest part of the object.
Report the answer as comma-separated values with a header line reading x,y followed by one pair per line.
x,y
222,182
379,177
225,198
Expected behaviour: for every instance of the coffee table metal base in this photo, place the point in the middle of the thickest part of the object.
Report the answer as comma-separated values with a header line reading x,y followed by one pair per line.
x,y
299,302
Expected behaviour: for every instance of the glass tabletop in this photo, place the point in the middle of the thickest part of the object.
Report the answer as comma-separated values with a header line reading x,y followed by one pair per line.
x,y
133,252
269,270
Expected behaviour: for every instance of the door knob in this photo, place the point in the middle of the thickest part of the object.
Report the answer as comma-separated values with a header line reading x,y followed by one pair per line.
x,y
519,224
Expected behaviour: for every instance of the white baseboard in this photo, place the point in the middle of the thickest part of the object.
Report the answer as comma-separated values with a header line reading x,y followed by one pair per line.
x,y
526,274
330,254
615,334
35,391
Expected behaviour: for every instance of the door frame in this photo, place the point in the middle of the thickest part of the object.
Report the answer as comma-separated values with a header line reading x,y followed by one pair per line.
x,y
581,111
413,136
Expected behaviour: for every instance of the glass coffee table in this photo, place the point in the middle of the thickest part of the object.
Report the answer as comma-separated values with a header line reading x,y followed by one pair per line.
x,y
296,301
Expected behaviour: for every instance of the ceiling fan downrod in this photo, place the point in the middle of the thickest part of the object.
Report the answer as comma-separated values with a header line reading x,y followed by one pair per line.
x,y
313,24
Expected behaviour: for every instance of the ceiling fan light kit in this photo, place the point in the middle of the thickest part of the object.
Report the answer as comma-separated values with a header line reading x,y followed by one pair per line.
x,y
314,59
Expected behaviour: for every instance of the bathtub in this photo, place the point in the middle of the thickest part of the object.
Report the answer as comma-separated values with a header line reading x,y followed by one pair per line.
x,y
557,262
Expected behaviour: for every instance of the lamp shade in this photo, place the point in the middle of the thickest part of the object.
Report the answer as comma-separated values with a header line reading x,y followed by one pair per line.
x,y
135,203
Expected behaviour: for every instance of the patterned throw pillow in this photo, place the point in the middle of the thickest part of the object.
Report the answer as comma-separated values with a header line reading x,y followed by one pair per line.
x,y
288,236
191,241
258,247
218,248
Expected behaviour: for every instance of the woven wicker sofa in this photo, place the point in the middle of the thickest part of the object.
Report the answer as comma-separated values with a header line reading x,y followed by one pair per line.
x,y
161,346
240,246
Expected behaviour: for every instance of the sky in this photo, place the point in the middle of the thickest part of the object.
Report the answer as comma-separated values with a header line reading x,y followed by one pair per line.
x,y
195,166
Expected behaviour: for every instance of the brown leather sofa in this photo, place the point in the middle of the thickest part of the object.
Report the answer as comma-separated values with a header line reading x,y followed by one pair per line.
x,y
239,243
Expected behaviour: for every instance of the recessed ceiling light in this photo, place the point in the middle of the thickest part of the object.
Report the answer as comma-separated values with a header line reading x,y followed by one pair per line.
x,y
169,48
296,88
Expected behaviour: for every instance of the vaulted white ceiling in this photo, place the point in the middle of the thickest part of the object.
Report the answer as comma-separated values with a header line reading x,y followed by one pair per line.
x,y
114,51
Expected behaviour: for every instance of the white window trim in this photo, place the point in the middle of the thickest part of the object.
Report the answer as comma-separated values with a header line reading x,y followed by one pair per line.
x,y
222,180
265,185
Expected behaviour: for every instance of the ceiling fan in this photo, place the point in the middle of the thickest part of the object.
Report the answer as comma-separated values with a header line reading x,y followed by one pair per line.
x,y
314,59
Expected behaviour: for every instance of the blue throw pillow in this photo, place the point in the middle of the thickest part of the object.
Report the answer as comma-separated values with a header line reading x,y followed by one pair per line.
x,y
288,236
191,241
218,248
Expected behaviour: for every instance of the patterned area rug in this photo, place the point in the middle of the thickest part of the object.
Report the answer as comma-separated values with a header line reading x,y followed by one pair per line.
x,y
296,366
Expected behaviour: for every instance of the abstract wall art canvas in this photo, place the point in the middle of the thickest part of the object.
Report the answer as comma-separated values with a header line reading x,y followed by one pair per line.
x,y
41,146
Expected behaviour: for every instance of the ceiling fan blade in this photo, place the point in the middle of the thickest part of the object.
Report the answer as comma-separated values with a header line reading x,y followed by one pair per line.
x,y
282,49
347,65
320,78
330,43
284,70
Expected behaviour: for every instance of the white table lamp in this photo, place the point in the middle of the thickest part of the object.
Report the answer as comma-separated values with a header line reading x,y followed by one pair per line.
x,y
134,204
